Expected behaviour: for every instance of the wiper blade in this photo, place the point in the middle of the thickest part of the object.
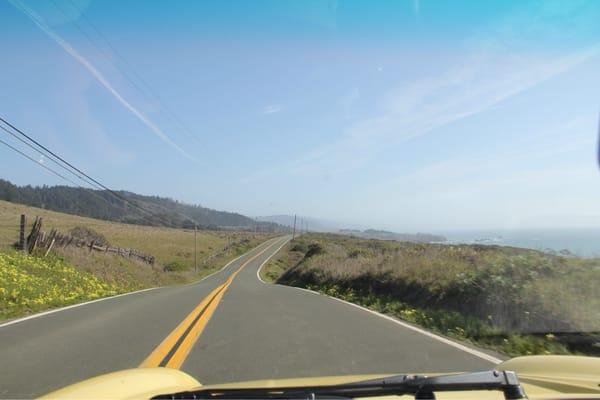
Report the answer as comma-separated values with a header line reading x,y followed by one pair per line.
x,y
422,387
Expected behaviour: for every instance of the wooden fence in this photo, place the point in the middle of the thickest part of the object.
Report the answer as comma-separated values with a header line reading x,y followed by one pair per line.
x,y
54,239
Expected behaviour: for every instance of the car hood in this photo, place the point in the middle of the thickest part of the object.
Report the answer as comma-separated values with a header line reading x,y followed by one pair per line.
x,y
543,377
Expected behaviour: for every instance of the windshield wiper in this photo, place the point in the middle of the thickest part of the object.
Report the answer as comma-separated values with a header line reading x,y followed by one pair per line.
x,y
422,387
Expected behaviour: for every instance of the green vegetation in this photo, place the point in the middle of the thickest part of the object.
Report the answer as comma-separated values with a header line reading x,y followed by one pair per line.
x,y
278,264
516,301
103,205
175,266
29,284
173,249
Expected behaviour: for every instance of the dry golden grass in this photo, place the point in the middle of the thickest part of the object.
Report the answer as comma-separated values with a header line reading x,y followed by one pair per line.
x,y
516,288
166,244
516,301
170,247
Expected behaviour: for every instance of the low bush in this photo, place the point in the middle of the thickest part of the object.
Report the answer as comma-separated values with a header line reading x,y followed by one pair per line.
x,y
314,249
88,235
175,266
301,247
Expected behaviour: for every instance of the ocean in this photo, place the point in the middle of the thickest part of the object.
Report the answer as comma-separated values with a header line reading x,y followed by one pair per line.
x,y
581,242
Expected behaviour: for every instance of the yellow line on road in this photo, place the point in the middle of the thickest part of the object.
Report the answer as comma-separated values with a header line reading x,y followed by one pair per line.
x,y
175,348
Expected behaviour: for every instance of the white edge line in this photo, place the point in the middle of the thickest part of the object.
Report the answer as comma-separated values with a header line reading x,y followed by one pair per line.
x,y
442,339
41,314
55,310
264,262
229,263
439,338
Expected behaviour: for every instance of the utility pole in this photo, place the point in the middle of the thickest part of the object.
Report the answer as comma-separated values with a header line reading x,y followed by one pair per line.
x,y
294,231
195,250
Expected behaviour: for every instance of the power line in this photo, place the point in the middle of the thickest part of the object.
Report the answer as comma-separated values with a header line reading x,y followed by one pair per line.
x,y
68,164
55,155
115,194
46,155
48,151
37,162
51,170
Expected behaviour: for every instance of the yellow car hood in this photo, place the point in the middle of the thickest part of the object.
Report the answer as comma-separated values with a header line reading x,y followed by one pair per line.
x,y
543,377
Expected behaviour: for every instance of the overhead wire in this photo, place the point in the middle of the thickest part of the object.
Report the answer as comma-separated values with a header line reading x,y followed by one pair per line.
x,y
49,153
128,75
37,162
46,156
51,170
112,192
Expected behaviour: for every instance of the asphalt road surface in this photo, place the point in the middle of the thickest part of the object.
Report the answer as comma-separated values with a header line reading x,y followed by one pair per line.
x,y
228,327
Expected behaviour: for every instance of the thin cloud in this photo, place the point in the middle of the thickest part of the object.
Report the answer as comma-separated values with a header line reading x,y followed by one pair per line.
x,y
272,109
432,103
487,80
36,19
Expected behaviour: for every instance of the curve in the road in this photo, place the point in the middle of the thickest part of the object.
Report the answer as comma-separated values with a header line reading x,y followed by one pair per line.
x,y
439,338
47,351
261,331
174,349
266,331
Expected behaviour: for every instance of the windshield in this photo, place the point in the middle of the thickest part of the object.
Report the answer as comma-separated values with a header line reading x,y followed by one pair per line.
x,y
250,190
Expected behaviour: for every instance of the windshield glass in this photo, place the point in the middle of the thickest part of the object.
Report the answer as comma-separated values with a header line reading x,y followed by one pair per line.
x,y
249,190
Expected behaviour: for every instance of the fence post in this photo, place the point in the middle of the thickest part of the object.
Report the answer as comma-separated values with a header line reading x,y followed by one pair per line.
x,y
33,237
50,246
22,239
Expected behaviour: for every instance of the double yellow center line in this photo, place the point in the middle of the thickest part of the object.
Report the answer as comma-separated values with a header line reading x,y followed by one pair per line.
x,y
174,349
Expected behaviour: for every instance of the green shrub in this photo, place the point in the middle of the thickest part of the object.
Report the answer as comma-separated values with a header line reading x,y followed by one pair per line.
x,y
174,266
355,253
301,247
313,250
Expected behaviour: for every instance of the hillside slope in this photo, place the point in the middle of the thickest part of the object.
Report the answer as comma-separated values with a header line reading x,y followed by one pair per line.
x,y
166,244
517,301
101,204
68,275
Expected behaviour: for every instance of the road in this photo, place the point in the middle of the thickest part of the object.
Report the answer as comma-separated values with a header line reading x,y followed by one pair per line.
x,y
228,327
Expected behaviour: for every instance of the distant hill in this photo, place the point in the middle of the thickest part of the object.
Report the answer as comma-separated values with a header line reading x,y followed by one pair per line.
x,y
387,235
313,224
160,211
322,225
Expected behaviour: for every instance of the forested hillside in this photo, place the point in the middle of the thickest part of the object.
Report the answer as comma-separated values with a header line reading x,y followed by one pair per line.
x,y
146,210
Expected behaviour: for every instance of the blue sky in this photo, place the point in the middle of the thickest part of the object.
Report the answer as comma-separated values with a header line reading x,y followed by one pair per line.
x,y
404,115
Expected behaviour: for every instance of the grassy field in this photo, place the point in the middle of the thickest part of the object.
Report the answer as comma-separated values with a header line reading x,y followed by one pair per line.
x,y
516,301
166,244
35,288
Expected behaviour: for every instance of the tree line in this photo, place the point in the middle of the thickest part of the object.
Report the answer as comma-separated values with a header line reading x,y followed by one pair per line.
x,y
101,204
